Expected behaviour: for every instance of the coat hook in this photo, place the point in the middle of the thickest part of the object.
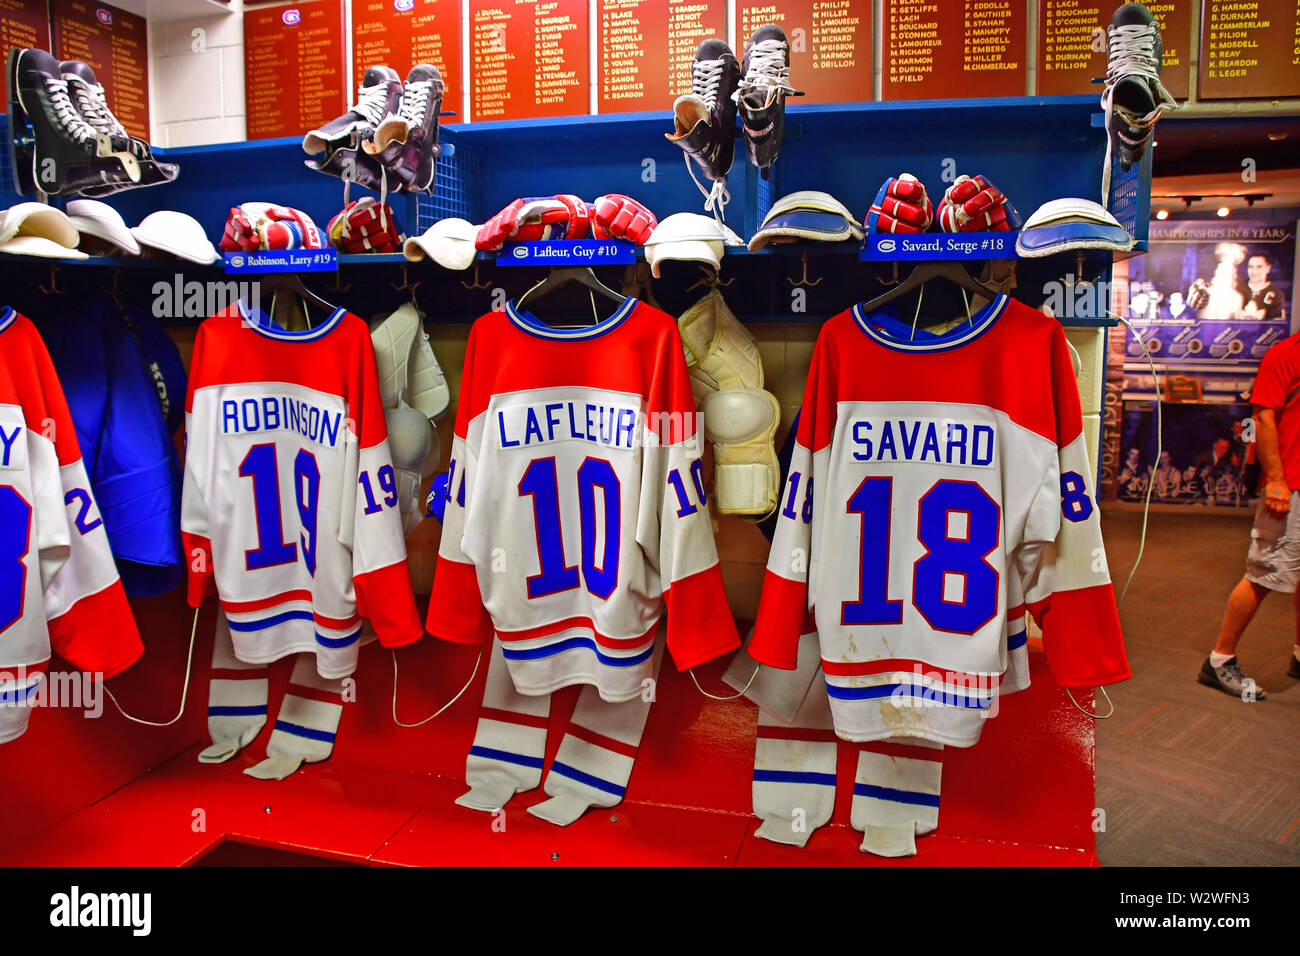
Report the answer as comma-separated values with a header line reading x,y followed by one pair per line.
x,y
710,278
804,280
476,284
893,279
54,283
114,287
335,285
406,282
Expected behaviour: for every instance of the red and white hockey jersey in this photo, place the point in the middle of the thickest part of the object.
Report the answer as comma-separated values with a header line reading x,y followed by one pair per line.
x,y
577,510
58,585
289,503
938,488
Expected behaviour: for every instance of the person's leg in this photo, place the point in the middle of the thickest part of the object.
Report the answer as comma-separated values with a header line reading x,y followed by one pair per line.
x,y
1243,602
1293,667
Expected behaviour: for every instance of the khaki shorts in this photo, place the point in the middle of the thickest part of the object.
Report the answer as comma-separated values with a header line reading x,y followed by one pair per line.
x,y
1273,560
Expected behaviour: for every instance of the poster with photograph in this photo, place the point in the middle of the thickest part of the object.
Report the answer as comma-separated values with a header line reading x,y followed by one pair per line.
x,y
1203,461
1212,295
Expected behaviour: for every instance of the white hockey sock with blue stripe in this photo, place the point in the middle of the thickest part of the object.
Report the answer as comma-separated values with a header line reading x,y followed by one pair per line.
x,y
509,742
794,767
896,794
306,725
595,760
236,699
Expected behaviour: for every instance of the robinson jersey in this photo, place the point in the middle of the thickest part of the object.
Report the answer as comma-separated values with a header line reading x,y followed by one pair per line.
x,y
577,510
58,585
939,487
289,505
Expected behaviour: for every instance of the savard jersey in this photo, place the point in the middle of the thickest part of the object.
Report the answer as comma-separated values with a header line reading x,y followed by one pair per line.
x,y
289,504
59,587
939,489
577,509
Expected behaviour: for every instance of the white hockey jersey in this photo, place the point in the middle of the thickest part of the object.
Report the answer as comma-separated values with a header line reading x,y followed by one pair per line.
x,y
289,506
939,488
58,585
577,510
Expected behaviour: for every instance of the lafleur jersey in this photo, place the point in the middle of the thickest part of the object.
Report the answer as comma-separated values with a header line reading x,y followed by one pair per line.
x,y
577,510
289,504
58,585
939,487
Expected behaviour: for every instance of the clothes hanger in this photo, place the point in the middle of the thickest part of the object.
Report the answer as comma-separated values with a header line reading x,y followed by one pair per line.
x,y
952,270
290,282
583,275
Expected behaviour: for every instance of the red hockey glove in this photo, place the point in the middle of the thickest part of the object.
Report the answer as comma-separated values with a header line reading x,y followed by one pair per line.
x,y
240,233
550,217
366,225
283,227
615,216
901,205
973,204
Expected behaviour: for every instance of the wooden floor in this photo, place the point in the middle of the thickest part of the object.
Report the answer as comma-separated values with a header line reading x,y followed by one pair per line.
x,y
1187,775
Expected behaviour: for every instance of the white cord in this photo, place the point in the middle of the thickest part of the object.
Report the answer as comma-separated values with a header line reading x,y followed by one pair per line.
x,y
733,696
769,70
185,689
716,198
439,711
1146,506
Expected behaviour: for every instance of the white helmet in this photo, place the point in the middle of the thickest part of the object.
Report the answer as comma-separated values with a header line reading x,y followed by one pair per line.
x,y
686,236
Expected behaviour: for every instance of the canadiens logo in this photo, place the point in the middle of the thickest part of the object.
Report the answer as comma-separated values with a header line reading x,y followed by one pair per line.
x,y
520,252
237,261
104,16
403,6
291,17
887,245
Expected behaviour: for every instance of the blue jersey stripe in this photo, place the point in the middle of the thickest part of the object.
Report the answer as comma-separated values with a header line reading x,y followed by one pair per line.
x,y
230,710
19,693
1017,640
898,796
506,756
877,691
568,644
573,773
266,622
343,641
298,730
794,776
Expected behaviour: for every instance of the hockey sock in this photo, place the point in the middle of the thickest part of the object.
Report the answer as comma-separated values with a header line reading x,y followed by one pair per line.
x,y
307,722
794,768
594,763
896,794
236,699
1218,660
509,743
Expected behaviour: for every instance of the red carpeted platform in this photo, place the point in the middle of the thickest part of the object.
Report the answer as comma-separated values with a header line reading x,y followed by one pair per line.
x,y
104,791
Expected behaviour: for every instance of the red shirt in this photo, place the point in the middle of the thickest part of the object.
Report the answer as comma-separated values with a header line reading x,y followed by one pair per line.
x,y
1277,386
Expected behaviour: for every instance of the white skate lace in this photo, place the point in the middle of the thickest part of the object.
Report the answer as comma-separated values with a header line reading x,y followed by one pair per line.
x,y
706,77
94,107
415,101
66,113
715,198
1131,52
372,102
768,69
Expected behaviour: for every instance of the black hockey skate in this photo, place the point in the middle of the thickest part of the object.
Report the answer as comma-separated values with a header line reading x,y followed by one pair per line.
x,y
53,148
379,95
1134,97
407,143
88,97
760,96
705,119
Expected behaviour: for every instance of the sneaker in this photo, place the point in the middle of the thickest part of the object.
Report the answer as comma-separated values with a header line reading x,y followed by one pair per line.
x,y
1293,669
1230,679
761,94
1134,96
705,119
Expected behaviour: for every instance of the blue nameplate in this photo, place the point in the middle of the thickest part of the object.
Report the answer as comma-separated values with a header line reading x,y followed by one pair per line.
x,y
282,260
917,246
567,252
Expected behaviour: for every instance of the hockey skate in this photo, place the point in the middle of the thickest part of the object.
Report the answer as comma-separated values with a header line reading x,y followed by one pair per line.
x,y
87,96
705,120
53,148
406,143
379,95
760,96
1134,97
